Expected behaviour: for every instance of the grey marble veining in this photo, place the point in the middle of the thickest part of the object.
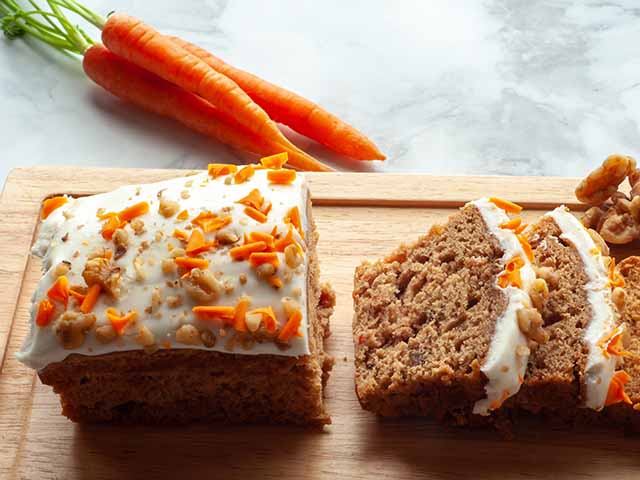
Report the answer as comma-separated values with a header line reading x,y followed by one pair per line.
x,y
461,87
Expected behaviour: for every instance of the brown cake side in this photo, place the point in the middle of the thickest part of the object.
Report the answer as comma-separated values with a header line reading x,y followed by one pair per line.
x,y
553,383
424,319
183,385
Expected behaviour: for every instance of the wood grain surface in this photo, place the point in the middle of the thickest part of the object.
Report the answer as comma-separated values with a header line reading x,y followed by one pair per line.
x,y
359,216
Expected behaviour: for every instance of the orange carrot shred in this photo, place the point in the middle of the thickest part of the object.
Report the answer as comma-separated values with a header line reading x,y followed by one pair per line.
x,y
218,169
253,199
180,235
244,174
615,279
189,263
77,295
512,224
261,236
51,204
616,393
612,344
283,176
291,327
59,291
287,240
275,281
210,222
134,211
45,313
293,217
183,215
268,317
197,243
111,225
521,228
257,215
119,322
511,275
244,251
259,258
240,315
275,161
215,312
90,298
526,247
506,205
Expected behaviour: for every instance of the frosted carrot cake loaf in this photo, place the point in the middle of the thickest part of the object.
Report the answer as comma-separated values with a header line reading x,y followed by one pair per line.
x,y
193,298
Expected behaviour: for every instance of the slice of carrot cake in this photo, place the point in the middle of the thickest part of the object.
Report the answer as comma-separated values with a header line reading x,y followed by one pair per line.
x,y
576,292
193,298
443,327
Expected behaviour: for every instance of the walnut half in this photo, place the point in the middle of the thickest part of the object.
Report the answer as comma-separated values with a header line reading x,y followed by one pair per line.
x,y
71,328
101,271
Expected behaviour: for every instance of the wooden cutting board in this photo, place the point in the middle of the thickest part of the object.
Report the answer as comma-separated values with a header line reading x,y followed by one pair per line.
x,y
359,216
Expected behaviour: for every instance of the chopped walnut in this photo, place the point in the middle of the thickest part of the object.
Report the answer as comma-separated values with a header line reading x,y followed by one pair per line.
x,y
228,287
618,296
202,286
98,252
600,243
253,321
292,256
289,305
226,237
603,182
265,271
184,194
168,208
242,278
105,334
549,275
296,292
71,328
137,226
208,338
138,266
539,293
188,335
619,228
61,269
158,236
101,271
530,323
156,298
144,245
121,242
178,252
144,337
634,207
174,301
168,266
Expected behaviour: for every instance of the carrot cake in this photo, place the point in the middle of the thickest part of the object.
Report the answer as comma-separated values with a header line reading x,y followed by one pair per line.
x,y
577,296
192,298
443,327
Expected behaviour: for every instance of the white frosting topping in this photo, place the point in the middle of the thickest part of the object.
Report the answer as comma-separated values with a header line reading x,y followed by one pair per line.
x,y
599,369
73,231
506,361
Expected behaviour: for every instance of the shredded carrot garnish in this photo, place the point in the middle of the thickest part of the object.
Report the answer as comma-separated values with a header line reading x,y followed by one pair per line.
x,y
240,315
111,225
275,161
506,205
77,295
119,322
283,176
511,224
264,237
90,298
275,282
274,231
183,215
616,393
257,215
498,403
180,235
291,327
524,243
253,199
134,211
293,217
612,344
218,169
244,251
197,243
287,240
244,174
189,263
210,222
215,312
59,291
511,274
268,317
615,279
521,228
51,204
258,258
45,313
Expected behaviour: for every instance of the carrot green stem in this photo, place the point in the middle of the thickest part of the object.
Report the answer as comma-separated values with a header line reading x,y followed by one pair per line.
x,y
73,34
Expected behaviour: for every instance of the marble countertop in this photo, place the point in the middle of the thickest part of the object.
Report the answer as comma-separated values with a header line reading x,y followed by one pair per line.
x,y
457,87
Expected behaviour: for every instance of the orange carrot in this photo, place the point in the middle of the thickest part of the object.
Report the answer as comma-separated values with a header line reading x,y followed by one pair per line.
x,y
59,291
264,237
134,211
189,263
257,215
240,314
275,161
197,244
291,327
268,317
282,176
90,298
150,92
51,204
45,313
219,312
258,258
119,322
253,199
242,252
139,43
244,174
293,110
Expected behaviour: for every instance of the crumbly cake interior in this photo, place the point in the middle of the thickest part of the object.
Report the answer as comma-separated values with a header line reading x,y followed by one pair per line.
x,y
424,319
553,374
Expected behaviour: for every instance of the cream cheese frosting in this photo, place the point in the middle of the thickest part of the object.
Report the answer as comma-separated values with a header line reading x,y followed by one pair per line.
x,y
72,232
599,369
506,361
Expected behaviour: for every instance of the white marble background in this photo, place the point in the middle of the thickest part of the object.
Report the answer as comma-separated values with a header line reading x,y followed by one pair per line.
x,y
460,87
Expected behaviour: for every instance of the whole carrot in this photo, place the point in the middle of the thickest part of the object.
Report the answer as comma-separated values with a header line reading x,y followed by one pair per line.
x,y
150,92
139,43
297,112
